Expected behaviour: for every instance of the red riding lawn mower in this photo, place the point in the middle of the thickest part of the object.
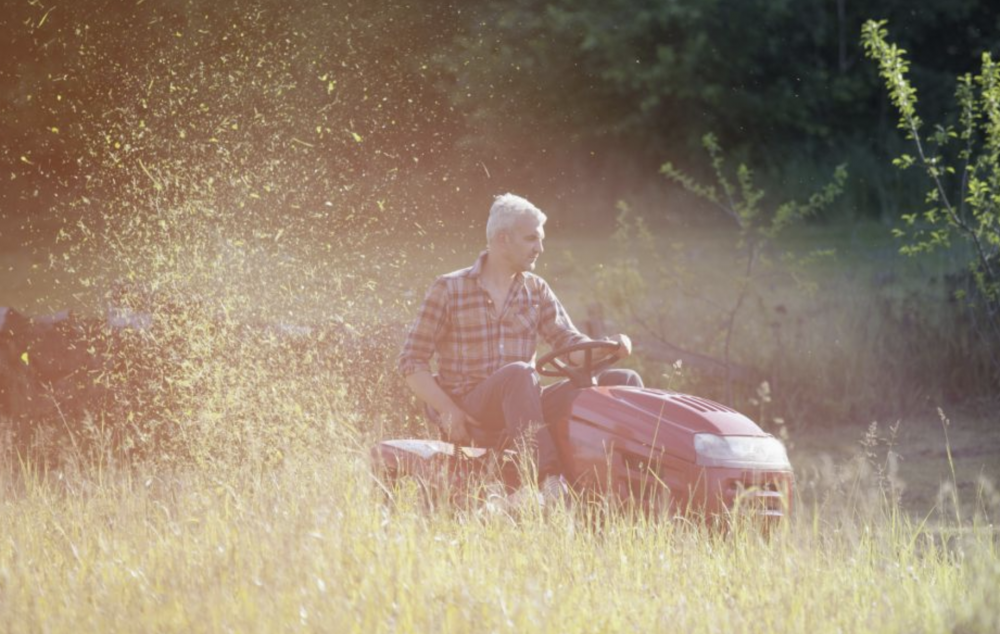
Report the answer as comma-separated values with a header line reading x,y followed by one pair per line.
x,y
639,444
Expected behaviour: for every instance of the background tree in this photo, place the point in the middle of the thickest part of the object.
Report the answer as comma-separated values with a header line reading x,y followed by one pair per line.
x,y
962,164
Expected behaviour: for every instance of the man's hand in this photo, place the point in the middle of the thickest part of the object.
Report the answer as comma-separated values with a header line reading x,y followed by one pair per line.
x,y
453,423
453,419
626,345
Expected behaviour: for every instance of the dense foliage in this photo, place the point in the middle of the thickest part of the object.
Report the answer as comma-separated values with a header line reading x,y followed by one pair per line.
x,y
459,97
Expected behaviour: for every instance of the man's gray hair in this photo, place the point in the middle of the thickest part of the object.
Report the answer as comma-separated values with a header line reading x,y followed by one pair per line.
x,y
506,209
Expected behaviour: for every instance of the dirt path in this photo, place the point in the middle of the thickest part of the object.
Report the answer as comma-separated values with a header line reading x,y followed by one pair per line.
x,y
973,434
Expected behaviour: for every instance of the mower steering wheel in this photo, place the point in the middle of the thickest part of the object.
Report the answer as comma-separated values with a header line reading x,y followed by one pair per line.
x,y
582,376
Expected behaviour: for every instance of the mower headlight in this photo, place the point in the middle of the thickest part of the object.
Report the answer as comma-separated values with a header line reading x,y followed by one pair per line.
x,y
755,452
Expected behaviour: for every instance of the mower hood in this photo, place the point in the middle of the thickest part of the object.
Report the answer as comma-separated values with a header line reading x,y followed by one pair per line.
x,y
659,420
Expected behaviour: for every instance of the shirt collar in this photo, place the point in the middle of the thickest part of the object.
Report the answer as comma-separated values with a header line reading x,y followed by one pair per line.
x,y
477,268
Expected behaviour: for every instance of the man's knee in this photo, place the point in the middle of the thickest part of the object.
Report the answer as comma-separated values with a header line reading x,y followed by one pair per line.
x,y
519,376
622,376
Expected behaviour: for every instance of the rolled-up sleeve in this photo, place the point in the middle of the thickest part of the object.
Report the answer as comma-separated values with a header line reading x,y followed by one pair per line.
x,y
425,331
554,325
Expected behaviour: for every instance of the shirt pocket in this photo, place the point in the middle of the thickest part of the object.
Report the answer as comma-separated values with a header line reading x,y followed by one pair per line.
x,y
523,322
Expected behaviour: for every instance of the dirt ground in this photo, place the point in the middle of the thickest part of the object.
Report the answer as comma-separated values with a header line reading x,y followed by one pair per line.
x,y
924,471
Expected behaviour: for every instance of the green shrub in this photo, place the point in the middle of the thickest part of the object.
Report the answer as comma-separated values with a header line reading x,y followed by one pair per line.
x,y
962,164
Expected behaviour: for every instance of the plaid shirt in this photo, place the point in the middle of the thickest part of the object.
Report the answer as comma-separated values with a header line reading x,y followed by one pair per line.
x,y
457,320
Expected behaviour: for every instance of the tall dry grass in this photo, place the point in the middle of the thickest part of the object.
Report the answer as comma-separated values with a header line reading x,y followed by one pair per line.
x,y
316,544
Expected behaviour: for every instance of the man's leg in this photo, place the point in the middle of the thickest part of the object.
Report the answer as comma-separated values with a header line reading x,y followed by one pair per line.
x,y
557,399
508,404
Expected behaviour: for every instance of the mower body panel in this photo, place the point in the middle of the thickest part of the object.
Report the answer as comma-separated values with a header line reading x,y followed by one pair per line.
x,y
442,464
631,443
640,443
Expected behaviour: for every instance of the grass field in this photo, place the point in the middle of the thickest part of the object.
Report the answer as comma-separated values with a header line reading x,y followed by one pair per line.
x,y
315,546
894,530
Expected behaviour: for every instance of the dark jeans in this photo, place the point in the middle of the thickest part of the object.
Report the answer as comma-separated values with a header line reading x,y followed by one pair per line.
x,y
512,401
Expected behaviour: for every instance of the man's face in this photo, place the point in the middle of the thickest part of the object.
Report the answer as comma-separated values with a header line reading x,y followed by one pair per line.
x,y
523,243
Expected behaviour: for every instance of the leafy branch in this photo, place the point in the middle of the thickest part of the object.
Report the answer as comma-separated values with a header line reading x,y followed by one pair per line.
x,y
741,201
979,186
976,218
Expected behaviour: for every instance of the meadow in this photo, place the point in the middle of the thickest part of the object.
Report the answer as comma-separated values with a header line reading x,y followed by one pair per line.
x,y
276,522
315,545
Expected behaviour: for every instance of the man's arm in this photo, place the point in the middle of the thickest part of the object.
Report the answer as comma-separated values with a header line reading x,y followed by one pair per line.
x,y
558,330
414,362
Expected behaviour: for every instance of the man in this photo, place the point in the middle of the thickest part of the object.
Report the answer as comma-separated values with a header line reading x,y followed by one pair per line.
x,y
483,322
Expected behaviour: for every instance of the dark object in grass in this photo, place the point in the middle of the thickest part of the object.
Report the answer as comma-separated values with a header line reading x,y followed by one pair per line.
x,y
46,364
129,381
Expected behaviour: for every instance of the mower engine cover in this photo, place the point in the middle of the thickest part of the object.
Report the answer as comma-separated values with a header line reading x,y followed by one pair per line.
x,y
645,443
